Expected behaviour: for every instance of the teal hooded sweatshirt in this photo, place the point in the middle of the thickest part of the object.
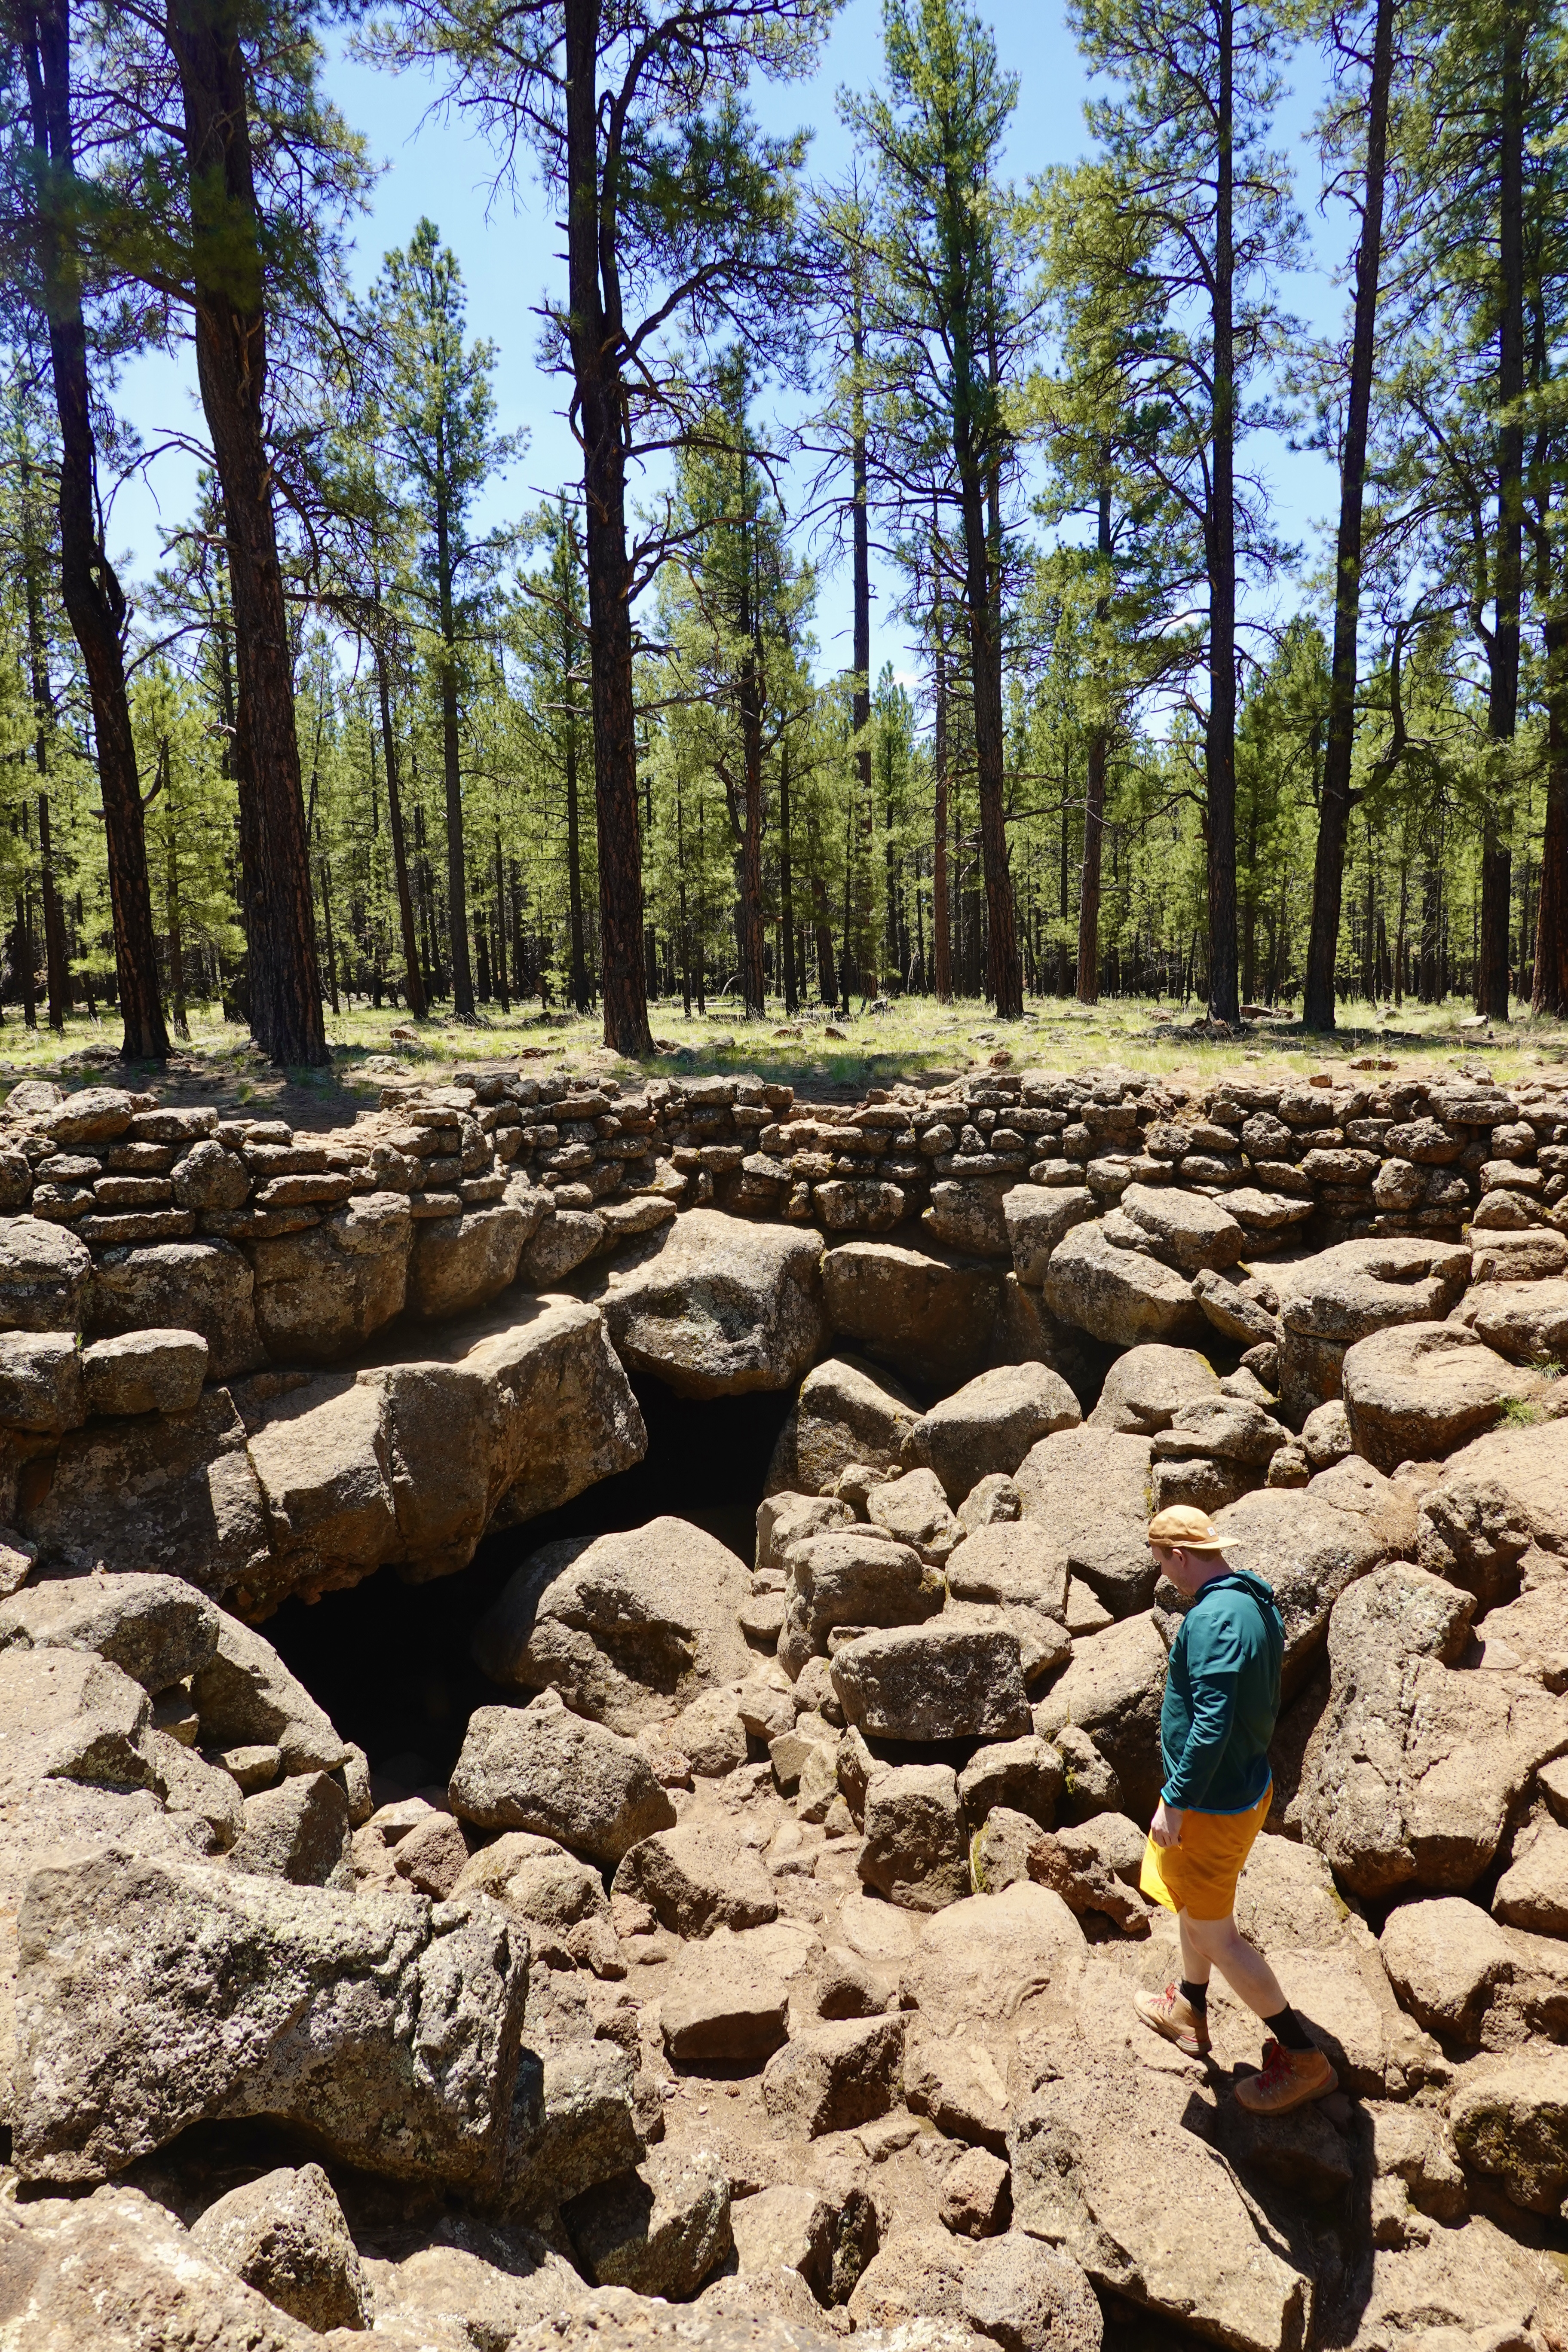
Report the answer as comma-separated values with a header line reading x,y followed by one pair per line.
x,y
1221,1696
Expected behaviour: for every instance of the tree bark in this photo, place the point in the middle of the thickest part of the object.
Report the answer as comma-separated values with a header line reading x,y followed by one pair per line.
x,y
786,884
581,995
1334,806
94,602
452,771
57,982
1094,801
231,368
1549,988
754,979
413,985
1219,733
1004,969
1502,702
596,337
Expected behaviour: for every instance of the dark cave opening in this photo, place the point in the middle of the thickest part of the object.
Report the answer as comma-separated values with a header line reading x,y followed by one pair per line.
x,y
390,1662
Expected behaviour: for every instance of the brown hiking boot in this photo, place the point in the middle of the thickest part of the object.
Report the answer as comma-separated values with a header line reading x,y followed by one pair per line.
x,y
1289,2079
1171,2014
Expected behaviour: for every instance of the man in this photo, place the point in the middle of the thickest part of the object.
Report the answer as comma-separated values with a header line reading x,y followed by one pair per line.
x,y
1221,1701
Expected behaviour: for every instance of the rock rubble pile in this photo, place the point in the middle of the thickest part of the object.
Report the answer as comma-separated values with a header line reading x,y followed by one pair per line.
x,y
761,1973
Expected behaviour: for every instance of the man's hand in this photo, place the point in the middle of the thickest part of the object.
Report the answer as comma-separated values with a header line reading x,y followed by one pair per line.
x,y
1165,1829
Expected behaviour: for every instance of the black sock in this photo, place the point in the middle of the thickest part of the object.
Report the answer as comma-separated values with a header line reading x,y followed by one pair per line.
x,y
1289,2031
1196,1997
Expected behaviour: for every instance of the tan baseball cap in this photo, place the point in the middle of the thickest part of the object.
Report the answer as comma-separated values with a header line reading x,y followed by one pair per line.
x,y
1184,1527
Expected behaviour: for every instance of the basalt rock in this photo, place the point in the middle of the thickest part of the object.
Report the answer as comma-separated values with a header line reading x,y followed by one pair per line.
x,y
716,1306
152,1994
629,1628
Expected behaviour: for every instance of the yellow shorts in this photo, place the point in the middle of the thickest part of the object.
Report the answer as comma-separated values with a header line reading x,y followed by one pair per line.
x,y
1198,1876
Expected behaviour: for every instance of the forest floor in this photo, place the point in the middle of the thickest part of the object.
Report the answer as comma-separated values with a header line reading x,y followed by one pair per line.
x,y
825,1056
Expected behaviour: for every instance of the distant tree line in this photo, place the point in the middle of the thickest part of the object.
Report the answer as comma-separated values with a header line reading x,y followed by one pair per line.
x,y
347,745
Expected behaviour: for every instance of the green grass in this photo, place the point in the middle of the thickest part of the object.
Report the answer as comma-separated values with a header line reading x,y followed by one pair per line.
x,y
913,1038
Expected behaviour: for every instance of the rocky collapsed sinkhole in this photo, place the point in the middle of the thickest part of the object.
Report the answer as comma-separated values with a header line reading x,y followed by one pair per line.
x,y
712,1912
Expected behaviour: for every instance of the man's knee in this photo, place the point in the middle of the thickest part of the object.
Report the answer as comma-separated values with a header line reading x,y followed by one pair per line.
x,y
1213,1938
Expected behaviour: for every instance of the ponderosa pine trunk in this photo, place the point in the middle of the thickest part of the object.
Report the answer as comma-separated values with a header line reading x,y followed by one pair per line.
x,y
1219,731
413,982
941,929
786,884
452,773
595,333
94,601
1502,701
1004,969
1550,992
56,983
1094,800
230,303
1334,805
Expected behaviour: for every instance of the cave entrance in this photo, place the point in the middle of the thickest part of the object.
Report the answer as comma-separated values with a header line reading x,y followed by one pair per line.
x,y
390,1661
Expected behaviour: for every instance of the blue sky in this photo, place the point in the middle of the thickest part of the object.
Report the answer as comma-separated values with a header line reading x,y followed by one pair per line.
x,y
437,165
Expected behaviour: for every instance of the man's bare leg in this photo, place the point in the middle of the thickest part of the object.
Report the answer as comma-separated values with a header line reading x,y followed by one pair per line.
x,y
1220,1944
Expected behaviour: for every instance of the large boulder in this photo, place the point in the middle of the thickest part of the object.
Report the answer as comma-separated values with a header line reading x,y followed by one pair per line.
x,y
1495,1498
184,1287
1185,1229
41,1385
459,1263
152,1995
717,1306
205,1287
1015,1562
1445,1958
628,1627
1038,1216
844,1413
157,1370
913,1850
561,1901
156,1629
658,2229
696,1879
245,1696
1509,2122
926,1312
45,1271
935,1681
1106,2164
857,1577
1526,1321
726,2004
542,1768
1147,1385
987,1426
177,1495
979,1962
1330,1301
285,2235
509,1413
1121,1295
1416,1392
1112,1689
913,1510
1089,1489
1417,1762
833,2077
322,1293
1308,1551
116,2272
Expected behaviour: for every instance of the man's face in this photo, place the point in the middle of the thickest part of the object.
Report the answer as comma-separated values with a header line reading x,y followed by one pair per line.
x,y
1186,1569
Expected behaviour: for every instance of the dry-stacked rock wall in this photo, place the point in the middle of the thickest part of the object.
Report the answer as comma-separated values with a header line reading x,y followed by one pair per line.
x,y
175,1286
